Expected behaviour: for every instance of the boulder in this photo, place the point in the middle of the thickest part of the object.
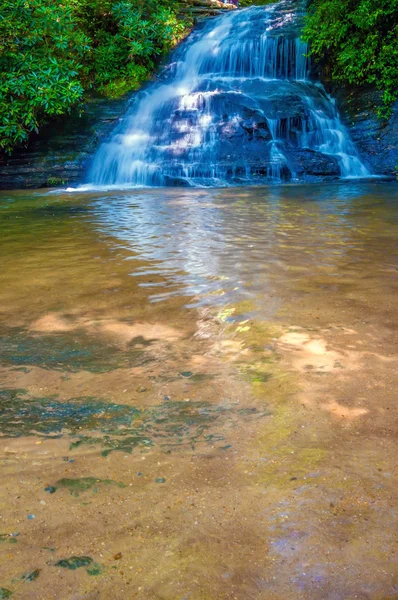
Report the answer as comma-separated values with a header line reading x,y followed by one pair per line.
x,y
310,162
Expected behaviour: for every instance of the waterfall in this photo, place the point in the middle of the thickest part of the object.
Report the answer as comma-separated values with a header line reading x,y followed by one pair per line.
x,y
235,106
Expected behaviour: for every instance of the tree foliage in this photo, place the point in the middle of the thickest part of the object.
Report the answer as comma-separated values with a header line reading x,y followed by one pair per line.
x,y
50,53
359,40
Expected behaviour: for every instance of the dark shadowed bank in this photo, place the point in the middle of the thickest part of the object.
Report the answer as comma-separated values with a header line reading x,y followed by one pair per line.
x,y
60,154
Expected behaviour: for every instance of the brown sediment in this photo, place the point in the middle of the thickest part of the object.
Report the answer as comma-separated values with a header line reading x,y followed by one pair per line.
x,y
123,332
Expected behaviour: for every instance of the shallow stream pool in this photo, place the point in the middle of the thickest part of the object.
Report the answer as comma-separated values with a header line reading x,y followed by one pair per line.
x,y
198,393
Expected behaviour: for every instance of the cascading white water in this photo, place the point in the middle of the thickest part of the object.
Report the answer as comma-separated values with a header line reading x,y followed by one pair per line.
x,y
236,106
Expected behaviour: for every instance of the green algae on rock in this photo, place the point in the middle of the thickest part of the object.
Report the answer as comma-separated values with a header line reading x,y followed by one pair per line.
x,y
85,484
118,426
22,414
31,576
4,593
67,352
74,562
94,569
8,538
172,425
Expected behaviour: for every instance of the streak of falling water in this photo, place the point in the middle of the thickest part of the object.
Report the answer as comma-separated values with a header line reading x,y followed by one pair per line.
x,y
235,106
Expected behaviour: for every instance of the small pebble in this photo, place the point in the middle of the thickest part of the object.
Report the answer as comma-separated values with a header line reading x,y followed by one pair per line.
x,y
160,480
141,388
30,517
118,556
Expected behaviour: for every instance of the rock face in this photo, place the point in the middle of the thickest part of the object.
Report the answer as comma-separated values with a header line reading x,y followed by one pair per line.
x,y
253,109
244,135
60,154
376,139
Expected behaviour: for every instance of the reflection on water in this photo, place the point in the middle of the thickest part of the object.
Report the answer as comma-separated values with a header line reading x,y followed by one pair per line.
x,y
214,246
223,247
201,376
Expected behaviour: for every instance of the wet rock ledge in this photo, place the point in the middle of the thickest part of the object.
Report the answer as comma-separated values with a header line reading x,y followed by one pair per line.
x,y
204,8
376,139
60,154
